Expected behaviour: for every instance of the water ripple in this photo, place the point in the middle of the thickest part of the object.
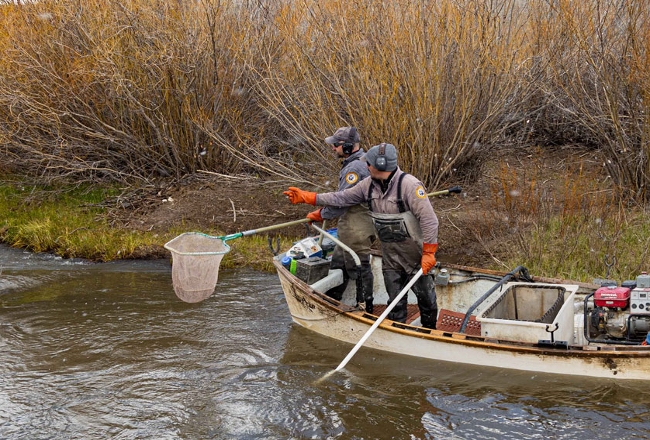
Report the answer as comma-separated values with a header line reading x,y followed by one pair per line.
x,y
108,351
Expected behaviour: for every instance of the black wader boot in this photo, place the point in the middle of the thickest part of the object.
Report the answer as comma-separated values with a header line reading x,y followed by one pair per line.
x,y
394,282
425,290
365,282
338,262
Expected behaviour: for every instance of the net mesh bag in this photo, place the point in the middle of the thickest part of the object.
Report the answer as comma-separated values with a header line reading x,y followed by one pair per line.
x,y
195,264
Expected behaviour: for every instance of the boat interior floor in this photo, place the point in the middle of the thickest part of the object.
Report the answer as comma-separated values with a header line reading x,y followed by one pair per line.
x,y
447,320
412,313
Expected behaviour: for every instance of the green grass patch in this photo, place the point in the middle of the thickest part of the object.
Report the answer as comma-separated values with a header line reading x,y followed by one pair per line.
x,y
255,252
71,222
584,247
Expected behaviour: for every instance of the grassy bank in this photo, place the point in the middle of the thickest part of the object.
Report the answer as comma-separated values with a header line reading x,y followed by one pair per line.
x,y
72,222
613,242
68,222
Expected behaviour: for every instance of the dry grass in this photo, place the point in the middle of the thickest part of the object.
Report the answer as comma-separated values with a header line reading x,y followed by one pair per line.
x,y
561,220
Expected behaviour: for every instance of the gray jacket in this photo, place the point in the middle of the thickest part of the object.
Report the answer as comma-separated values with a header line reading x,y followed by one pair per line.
x,y
414,196
355,227
353,170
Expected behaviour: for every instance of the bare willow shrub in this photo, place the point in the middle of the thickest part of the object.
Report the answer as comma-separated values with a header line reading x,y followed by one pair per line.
x,y
592,67
123,89
251,137
566,223
436,78
562,223
138,89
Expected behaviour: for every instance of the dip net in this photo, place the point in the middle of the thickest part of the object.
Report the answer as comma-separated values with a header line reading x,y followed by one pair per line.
x,y
195,264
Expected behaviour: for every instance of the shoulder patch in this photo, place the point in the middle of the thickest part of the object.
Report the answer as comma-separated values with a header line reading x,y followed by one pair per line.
x,y
420,193
351,178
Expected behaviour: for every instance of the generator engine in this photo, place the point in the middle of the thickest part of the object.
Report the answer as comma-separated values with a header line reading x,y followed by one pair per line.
x,y
620,313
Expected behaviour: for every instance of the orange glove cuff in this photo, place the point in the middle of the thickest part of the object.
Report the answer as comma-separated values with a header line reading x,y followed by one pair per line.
x,y
428,260
429,248
309,197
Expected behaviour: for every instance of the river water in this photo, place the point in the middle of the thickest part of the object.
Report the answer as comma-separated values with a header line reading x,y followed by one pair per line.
x,y
108,351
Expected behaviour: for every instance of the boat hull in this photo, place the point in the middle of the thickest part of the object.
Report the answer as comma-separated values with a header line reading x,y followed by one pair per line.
x,y
316,312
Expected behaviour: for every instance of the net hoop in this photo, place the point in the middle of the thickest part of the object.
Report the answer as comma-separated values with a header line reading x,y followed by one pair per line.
x,y
195,264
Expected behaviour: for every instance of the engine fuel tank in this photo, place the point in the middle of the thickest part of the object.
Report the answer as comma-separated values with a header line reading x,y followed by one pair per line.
x,y
612,296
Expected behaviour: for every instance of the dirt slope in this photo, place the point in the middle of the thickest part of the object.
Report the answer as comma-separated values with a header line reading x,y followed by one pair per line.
x,y
213,203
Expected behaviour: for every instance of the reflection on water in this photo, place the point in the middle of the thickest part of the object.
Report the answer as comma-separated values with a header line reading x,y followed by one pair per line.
x,y
430,399
108,351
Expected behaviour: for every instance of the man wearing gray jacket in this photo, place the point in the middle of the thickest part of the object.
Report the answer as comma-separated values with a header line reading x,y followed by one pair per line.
x,y
405,222
355,227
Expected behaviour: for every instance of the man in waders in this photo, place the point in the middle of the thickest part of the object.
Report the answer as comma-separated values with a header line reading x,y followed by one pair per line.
x,y
405,222
355,227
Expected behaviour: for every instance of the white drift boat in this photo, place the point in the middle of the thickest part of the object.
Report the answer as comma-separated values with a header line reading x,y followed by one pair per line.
x,y
490,319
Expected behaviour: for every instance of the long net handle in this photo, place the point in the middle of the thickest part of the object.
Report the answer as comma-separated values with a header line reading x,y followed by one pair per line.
x,y
266,228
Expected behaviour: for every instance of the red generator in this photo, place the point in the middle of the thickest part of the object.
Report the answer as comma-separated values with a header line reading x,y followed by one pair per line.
x,y
612,297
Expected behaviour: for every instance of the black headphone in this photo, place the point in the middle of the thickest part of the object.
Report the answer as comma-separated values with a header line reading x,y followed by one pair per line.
x,y
349,144
380,162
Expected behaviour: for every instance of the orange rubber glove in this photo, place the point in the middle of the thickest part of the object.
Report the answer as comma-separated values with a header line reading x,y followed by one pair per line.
x,y
296,195
428,257
315,216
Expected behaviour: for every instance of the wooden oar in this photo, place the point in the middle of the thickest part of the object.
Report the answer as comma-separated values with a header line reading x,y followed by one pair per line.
x,y
379,320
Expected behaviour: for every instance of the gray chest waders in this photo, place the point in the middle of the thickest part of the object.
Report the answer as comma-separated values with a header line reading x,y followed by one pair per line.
x,y
401,244
400,234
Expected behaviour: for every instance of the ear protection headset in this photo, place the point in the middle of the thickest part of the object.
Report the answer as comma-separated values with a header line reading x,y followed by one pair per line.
x,y
349,143
380,162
